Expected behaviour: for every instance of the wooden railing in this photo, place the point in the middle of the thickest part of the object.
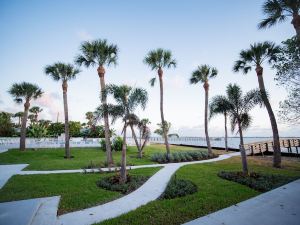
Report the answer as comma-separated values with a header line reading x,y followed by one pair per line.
x,y
267,146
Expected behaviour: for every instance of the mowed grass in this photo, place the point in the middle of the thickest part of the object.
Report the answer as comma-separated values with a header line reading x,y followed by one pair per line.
x,y
214,193
77,191
53,159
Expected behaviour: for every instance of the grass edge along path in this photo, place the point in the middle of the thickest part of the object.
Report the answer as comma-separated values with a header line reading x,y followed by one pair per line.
x,y
214,193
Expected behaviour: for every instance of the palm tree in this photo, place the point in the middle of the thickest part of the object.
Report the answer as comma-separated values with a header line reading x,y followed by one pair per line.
x,y
100,53
218,105
167,127
64,73
24,92
254,57
239,107
19,115
158,60
35,110
90,118
127,100
145,132
278,11
31,118
202,74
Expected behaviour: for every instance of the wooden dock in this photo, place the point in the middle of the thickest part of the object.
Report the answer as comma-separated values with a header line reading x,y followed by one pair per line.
x,y
265,147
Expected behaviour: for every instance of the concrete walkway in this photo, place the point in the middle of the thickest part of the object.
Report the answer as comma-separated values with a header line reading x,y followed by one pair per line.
x,y
280,206
7,171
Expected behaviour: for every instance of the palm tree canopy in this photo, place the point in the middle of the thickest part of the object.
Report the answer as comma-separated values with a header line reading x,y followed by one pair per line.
x,y
160,58
25,92
256,55
35,109
240,105
127,100
61,71
203,73
19,114
277,11
98,52
218,105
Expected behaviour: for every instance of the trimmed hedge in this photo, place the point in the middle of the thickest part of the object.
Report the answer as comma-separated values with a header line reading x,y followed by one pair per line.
x,y
180,156
111,183
257,181
179,188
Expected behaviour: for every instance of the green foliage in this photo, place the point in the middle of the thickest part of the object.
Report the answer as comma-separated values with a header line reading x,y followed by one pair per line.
x,y
257,181
56,129
36,130
25,91
203,73
160,58
180,156
6,126
61,71
112,183
288,75
94,132
117,143
74,128
179,188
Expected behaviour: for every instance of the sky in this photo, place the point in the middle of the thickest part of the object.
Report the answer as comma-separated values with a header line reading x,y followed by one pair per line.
x,y
37,33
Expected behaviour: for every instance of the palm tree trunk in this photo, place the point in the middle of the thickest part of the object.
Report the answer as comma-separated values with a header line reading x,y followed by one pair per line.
x,y
19,121
296,24
206,86
160,74
23,127
101,72
67,134
226,136
276,143
242,150
136,141
123,177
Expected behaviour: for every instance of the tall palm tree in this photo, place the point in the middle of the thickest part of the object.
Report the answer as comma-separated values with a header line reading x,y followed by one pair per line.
x,y
127,100
35,110
202,74
277,11
158,60
218,105
239,107
100,53
24,92
254,57
19,115
64,73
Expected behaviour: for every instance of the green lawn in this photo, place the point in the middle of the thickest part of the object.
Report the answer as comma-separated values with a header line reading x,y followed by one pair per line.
x,y
214,193
77,191
53,159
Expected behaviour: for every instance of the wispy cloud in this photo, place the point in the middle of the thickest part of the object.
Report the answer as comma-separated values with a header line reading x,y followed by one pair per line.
x,y
84,35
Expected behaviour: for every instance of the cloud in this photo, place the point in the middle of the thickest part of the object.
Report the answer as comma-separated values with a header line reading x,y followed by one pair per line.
x,y
52,106
84,35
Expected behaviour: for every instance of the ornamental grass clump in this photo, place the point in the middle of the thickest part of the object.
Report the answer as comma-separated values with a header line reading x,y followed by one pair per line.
x,y
180,157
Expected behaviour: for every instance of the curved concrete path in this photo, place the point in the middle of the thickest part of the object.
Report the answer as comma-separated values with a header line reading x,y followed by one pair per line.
x,y
148,192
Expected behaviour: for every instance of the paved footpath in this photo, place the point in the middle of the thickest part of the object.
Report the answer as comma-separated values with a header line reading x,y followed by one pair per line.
x,y
280,206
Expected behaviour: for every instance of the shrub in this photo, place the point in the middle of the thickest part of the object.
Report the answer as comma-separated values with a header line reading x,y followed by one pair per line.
x,y
112,183
117,143
257,181
180,156
179,188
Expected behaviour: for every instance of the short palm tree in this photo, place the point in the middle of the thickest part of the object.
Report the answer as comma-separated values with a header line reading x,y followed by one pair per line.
x,y
254,57
24,92
31,118
127,100
19,115
239,107
158,60
64,73
90,118
166,127
219,105
100,53
145,133
201,75
277,11
35,110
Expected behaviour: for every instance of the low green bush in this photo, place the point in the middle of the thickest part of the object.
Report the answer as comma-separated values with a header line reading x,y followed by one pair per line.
x,y
112,183
116,144
180,156
257,181
179,188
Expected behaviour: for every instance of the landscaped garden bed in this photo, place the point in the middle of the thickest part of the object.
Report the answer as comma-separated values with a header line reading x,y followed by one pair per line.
x,y
258,181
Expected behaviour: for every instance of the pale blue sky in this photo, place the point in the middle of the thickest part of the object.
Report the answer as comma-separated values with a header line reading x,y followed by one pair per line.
x,y
36,33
